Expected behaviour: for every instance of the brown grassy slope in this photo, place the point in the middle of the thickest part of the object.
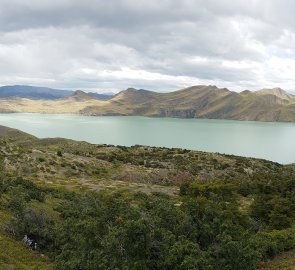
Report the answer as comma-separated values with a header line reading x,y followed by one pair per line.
x,y
185,103
72,104
193,102
202,102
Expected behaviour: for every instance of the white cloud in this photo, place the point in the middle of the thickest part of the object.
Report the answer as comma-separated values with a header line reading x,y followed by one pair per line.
x,y
160,45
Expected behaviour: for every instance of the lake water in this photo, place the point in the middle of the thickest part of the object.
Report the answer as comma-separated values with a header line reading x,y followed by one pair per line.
x,y
272,141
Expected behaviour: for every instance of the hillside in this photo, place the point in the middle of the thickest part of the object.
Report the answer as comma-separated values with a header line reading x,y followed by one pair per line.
x,y
111,207
203,102
28,156
193,102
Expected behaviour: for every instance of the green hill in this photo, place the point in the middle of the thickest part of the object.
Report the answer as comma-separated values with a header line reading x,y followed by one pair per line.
x,y
88,206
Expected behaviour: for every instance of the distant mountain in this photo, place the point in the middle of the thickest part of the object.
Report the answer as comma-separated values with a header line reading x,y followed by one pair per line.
x,y
32,92
101,96
35,92
80,95
193,102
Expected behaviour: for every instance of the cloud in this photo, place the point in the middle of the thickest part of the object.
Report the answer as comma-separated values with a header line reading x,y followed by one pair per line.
x,y
159,45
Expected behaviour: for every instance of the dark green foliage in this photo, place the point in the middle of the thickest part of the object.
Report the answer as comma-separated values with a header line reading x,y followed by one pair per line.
x,y
235,255
205,230
231,213
274,200
209,189
22,188
272,243
185,254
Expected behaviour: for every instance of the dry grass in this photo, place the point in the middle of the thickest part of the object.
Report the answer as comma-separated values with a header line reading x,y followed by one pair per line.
x,y
285,261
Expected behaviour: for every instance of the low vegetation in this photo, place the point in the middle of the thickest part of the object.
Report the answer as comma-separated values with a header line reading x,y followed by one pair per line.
x,y
70,205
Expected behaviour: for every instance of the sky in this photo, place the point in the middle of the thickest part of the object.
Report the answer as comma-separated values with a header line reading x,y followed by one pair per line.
x,y
110,45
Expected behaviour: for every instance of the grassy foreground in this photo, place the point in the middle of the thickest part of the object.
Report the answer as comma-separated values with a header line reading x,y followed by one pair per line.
x,y
108,207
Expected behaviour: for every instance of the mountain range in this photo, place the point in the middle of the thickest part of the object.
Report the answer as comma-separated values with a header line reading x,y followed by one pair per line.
x,y
35,92
200,101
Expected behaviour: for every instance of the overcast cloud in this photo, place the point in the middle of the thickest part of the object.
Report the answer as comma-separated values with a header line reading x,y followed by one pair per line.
x,y
162,45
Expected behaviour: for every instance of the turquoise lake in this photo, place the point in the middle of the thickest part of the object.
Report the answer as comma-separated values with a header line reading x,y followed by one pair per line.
x,y
272,141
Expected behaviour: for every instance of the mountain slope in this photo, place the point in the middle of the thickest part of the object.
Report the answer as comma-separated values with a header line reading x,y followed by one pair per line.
x,y
193,102
202,102
71,104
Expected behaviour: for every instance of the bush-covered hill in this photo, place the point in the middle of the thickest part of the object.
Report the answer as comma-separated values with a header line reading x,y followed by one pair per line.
x,y
73,205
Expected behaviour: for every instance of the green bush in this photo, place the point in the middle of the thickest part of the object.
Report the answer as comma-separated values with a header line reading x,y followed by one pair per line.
x,y
118,230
